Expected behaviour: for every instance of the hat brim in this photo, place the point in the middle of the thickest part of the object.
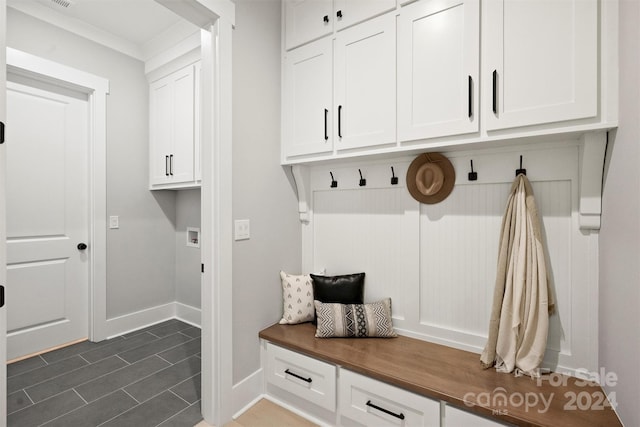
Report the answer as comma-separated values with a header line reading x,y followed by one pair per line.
x,y
449,178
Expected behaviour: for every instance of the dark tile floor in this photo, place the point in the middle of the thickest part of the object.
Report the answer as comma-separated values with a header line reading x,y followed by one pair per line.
x,y
146,378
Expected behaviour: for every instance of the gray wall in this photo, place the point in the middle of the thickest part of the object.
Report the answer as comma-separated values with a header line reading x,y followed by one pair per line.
x,y
188,258
141,253
620,233
261,189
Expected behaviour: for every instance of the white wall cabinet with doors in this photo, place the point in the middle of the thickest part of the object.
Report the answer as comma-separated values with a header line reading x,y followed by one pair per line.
x,y
173,141
438,69
468,72
339,93
540,62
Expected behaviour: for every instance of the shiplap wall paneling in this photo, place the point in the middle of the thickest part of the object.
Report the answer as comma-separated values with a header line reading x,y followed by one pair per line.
x,y
438,262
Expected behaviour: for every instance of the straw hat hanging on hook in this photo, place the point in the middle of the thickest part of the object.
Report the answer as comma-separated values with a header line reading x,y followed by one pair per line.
x,y
430,178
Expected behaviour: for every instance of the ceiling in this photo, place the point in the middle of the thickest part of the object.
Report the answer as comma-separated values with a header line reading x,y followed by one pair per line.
x,y
138,28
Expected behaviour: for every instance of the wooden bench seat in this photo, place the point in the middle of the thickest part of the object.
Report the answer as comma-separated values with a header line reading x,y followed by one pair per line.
x,y
456,377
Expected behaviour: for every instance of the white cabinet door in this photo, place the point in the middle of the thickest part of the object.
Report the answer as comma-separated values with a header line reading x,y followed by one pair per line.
x,y
350,12
454,417
539,61
307,20
307,108
172,123
197,160
438,63
365,84
160,130
181,164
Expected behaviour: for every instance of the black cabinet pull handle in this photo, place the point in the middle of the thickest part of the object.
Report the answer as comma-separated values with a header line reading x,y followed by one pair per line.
x,y
1,133
82,246
171,164
340,121
166,165
470,96
326,135
339,14
386,411
326,19
307,380
495,91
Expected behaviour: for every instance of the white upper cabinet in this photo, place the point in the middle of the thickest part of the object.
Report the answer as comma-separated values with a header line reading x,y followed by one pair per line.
x,y
351,12
307,20
172,129
540,61
307,107
365,84
438,64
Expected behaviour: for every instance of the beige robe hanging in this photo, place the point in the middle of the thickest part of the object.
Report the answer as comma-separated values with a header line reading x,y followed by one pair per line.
x,y
522,300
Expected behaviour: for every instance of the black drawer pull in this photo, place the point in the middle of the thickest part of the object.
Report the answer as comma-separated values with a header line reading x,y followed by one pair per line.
x,y
495,91
307,380
326,135
386,411
470,90
166,165
340,121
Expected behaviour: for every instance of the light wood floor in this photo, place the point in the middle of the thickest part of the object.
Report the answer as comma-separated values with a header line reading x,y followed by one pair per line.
x,y
266,414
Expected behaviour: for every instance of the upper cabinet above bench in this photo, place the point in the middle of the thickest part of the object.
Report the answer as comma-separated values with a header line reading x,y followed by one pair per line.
x,y
372,77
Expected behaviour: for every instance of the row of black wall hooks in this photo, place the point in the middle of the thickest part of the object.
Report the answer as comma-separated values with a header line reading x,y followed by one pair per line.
x,y
472,176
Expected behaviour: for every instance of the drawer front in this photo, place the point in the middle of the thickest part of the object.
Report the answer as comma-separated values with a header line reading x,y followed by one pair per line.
x,y
302,376
454,417
373,403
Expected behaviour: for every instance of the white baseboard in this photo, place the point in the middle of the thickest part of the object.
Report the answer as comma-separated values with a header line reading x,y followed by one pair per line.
x,y
247,392
188,314
141,319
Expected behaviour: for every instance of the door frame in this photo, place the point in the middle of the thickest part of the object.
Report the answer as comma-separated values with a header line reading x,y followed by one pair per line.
x,y
96,88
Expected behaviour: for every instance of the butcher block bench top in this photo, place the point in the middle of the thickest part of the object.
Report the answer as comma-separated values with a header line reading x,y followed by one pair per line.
x,y
456,377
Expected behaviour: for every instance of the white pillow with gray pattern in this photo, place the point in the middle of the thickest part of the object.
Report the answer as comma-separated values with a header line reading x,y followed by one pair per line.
x,y
354,320
297,297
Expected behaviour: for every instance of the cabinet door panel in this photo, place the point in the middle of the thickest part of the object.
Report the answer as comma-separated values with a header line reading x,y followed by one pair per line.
x,y
183,110
304,21
438,63
307,99
544,54
350,12
161,130
365,81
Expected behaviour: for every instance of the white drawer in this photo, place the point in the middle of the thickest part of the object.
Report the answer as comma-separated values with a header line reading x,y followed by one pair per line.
x,y
454,417
370,402
305,377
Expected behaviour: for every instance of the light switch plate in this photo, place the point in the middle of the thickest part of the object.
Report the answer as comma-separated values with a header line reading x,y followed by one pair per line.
x,y
242,229
114,221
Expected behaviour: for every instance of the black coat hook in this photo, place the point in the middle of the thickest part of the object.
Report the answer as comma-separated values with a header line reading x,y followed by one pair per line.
x,y
394,178
473,176
334,183
363,181
521,170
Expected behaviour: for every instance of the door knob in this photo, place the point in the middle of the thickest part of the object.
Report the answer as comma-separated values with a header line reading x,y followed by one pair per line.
x,y
82,246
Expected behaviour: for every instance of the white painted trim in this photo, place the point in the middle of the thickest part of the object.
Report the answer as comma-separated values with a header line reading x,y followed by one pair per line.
x,y
182,48
140,319
96,89
3,231
247,392
188,314
593,148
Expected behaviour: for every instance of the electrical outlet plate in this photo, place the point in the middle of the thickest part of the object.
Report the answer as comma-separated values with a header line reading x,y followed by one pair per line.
x,y
114,222
242,229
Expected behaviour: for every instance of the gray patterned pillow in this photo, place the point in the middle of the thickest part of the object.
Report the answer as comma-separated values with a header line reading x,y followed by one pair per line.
x,y
354,320
297,297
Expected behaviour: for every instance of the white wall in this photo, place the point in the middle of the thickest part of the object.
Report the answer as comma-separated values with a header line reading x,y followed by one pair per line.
x,y
262,191
188,258
141,253
620,232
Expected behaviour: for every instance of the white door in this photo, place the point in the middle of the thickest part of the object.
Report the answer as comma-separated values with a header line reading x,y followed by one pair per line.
x,y
47,216
365,84
3,234
438,69
307,99
540,61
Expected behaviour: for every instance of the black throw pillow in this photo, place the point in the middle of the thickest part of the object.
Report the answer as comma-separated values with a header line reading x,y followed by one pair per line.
x,y
345,289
